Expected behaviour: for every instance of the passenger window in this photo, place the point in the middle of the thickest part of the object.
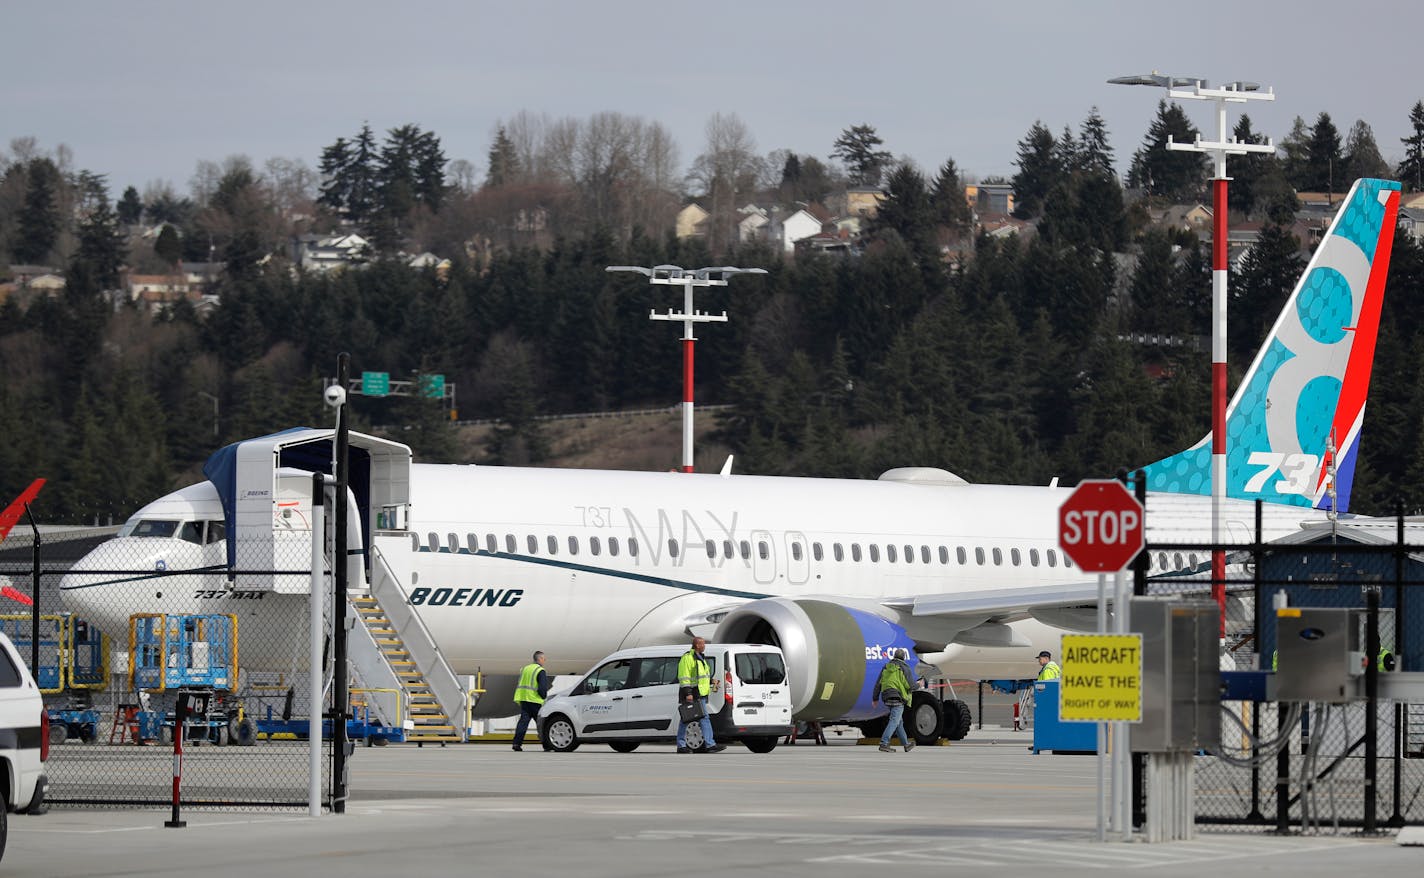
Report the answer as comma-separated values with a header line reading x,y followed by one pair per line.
x,y
573,545
553,545
658,671
998,557
979,555
633,546
727,548
1067,562
533,543
959,553
890,554
1052,558
1191,559
472,543
453,542
613,546
837,553
1015,557
672,548
816,551
711,548
796,551
1033,557
9,674
432,541
510,545
763,551
925,554
855,552
491,545
874,551
415,542
594,546
910,554
746,548
609,678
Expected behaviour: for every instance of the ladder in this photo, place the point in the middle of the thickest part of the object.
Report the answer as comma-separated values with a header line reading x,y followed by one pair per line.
x,y
431,722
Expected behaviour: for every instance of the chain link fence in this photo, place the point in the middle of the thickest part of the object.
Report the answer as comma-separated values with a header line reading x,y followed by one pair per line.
x,y
154,613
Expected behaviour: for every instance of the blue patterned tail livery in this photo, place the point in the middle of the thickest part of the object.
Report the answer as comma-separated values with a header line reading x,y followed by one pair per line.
x,y
1304,394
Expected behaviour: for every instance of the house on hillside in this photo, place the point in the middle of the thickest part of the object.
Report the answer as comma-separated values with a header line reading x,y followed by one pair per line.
x,y
801,224
323,253
440,266
1184,217
1411,220
691,222
990,199
754,224
855,201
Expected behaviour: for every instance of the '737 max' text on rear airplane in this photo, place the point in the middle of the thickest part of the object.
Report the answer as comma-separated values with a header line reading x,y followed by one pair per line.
x,y
492,563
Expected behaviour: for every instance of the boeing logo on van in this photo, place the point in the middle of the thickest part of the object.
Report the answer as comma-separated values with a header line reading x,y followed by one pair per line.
x,y
465,597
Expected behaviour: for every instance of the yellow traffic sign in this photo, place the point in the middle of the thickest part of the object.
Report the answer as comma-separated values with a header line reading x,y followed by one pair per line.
x,y
1102,678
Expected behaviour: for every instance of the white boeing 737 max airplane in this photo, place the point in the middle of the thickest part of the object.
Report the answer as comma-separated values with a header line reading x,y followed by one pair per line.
x,y
495,562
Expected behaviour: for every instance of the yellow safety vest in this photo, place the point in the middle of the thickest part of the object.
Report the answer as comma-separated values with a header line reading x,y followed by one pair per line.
x,y
693,670
1050,671
528,688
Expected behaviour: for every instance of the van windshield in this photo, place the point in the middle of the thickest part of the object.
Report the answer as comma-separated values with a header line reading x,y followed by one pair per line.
x,y
760,668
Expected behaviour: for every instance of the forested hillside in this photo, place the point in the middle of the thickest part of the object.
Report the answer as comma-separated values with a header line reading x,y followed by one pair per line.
x,y
1015,360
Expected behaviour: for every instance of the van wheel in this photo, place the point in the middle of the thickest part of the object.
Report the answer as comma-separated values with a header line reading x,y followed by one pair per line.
x,y
4,831
957,720
623,746
693,736
761,743
559,734
925,719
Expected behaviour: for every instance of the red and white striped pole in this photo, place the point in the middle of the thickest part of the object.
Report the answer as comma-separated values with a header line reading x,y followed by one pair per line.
x,y
1219,270
688,342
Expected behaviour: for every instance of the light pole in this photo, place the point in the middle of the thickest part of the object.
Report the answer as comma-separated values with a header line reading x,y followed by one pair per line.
x,y
688,279
206,395
1194,88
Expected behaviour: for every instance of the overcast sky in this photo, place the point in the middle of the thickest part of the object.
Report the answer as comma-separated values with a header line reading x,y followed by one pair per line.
x,y
142,91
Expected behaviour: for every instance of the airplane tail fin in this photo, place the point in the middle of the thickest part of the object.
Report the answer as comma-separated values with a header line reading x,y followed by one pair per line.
x,y
16,508
1293,427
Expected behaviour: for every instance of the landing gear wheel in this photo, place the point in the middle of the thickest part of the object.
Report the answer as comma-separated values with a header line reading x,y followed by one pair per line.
x,y
559,734
957,720
623,746
761,743
925,718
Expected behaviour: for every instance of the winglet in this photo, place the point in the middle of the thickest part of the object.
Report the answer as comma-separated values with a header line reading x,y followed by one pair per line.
x,y
13,512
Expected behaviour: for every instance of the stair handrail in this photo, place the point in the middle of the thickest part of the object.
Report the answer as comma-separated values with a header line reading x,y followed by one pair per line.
x,y
424,651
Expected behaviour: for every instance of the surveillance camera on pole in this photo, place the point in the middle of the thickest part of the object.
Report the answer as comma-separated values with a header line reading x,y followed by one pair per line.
x,y
688,279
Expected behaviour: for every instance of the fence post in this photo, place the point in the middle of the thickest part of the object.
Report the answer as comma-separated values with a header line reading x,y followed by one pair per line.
x,y
35,593
1372,648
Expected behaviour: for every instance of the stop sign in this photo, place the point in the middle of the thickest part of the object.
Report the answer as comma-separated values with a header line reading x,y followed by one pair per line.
x,y
1100,526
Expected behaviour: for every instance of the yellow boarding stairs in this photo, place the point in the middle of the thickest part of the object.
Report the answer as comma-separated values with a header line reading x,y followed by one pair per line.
x,y
430,719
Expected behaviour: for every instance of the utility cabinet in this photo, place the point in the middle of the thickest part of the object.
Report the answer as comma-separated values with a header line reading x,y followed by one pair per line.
x,y
1320,654
1181,675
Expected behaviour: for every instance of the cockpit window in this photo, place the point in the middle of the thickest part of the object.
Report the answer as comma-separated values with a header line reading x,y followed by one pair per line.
x,y
217,532
191,531
154,527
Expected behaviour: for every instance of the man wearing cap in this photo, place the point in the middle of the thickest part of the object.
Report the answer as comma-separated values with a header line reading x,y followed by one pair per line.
x,y
1047,668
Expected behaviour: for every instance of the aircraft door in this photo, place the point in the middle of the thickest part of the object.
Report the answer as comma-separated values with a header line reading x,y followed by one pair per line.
x,y
798,558
763,557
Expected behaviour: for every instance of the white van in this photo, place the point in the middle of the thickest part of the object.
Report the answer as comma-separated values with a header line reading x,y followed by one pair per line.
x,y
631,697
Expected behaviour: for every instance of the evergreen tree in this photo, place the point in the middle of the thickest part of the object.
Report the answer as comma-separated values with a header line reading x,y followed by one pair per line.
x,y
858,146
1411,169
130,208
335,176
909,212
39,223
1096,156
102,245
1246,169
947,196
1039,169
1268,274
1296,147
1065,150
503,161
1169,174
1362,155
168,246
1324,165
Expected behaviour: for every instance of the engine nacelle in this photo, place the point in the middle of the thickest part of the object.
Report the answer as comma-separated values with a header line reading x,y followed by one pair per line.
x,y
834,653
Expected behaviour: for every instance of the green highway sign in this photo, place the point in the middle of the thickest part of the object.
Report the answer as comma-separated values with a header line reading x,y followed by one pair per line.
x,y
432,386
375,383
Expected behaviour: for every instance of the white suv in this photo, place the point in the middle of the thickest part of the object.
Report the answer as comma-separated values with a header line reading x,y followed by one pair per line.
x,y
24,738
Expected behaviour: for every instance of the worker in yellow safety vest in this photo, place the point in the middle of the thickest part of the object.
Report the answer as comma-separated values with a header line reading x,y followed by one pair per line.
x,y
694,682
529,695
1047,668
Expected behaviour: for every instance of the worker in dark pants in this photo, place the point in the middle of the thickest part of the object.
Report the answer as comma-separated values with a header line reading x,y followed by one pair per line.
x,y
529,695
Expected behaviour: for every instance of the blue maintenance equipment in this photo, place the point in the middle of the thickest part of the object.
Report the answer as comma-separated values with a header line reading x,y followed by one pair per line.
x,y
1051,734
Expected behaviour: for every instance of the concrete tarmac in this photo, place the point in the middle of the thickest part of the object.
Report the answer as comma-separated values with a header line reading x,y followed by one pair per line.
x,y
982,804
